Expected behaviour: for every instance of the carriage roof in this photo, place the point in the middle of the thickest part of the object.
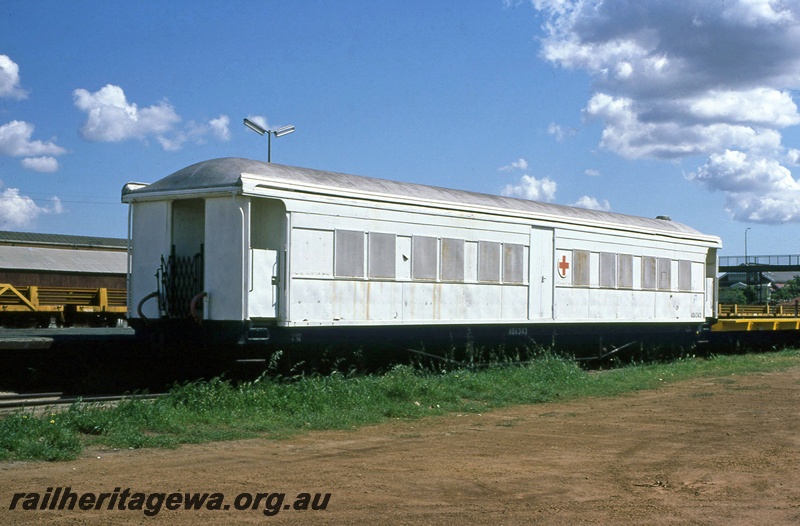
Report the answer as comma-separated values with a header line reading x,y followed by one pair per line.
x,y
230,173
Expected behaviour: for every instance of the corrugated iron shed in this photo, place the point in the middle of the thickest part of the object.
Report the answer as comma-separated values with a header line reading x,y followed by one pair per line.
x,y
63,260
61,240
32,252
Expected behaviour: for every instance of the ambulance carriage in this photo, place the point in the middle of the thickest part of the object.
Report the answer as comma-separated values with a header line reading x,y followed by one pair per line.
x,y
236,250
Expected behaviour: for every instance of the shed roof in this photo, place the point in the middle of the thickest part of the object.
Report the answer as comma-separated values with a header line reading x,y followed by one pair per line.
x,y
227,173
42,259
61,240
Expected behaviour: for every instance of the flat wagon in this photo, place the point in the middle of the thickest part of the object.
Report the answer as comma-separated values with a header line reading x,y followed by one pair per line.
x,y
61,279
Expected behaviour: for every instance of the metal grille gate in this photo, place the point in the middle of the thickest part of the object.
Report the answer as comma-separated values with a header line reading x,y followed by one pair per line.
x,y
180,279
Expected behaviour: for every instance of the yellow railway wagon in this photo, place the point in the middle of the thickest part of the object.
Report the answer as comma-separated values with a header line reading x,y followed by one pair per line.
x,y
61,305
748,318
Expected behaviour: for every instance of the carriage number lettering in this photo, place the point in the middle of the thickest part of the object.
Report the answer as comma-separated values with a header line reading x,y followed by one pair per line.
x,y
518,331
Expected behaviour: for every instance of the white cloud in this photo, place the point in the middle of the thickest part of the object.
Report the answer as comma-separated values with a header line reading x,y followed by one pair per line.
x,y
757,189
591,172
44,164
592,203
16,136
628,135
15,141
260,120
19,211
111,118
55,206
678,79
196,133
556,131
559,133
759,107
532,188
220,127
757,12
172,144
9,79
520,164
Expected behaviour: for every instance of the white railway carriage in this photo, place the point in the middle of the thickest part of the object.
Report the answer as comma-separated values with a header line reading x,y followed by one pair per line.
x,y
259,252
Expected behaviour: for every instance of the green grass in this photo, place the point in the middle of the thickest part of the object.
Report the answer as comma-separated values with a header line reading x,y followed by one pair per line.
x,y
276,408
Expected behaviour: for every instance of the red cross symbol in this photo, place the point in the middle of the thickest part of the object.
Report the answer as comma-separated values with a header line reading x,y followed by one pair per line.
x,y
563,266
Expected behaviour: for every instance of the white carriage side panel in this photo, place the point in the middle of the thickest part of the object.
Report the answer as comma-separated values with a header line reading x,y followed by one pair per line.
x,y
150,238
667,306
312,252
312,301
571,304
594,269
711,284
415,294
597,294
263,293
698,276
514,303
471,262
403,258
325,302
346,302
226,258
477,302
267,233
483,302
674,269
637,273
626,298
419,301
697,309
541,275
382,301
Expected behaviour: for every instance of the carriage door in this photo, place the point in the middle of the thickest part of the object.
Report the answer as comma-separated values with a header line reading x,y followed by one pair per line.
x,y
541,274
267,225
181,274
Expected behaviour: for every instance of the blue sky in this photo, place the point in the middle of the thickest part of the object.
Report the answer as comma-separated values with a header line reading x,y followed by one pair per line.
x,y
686,109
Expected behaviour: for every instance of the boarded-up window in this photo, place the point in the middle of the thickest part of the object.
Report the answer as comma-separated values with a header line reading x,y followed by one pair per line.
x,y
608,270
452,260
424,257
685,275
580,263
625,271
488,261
382,261
513,263
664,274
648,272
349,254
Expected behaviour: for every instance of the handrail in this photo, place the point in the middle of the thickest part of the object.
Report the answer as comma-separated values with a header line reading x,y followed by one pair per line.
x,y
193,307
139,306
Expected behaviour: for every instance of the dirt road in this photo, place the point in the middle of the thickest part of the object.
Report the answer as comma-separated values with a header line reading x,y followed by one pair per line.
x,y
712,451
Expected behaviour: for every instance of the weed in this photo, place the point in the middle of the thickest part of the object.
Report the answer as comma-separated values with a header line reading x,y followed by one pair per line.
x,y
277,407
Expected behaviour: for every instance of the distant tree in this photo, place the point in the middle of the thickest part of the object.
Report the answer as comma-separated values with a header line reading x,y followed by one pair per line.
x,y
790,290
732,296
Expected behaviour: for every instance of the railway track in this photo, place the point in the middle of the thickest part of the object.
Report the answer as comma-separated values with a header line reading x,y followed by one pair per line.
x,y
13,402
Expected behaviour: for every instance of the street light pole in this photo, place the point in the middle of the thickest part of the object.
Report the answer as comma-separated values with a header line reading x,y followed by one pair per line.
x,y
280,132
745,244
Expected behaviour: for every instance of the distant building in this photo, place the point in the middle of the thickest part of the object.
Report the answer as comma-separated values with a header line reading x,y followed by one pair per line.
x,y
55,260
762,283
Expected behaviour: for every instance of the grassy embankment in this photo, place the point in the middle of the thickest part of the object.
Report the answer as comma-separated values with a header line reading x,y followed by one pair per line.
x,y
275,408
